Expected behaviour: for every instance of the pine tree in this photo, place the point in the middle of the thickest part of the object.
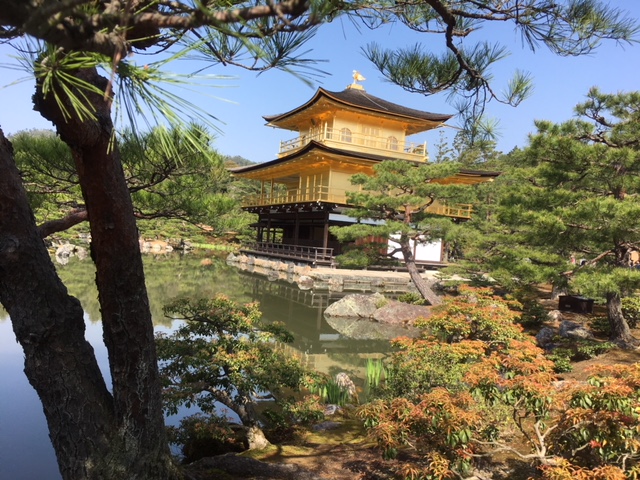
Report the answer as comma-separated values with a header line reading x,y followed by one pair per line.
x,y
401,193
573,194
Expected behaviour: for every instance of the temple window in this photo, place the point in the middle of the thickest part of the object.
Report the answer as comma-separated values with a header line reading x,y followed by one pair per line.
x,y
345,135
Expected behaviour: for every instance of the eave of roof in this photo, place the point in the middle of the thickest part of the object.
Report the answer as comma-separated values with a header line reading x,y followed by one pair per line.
x,y
360,99
313,145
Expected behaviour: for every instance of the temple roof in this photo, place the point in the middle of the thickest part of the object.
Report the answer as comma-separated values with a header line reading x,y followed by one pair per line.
x,y
463,176
359,100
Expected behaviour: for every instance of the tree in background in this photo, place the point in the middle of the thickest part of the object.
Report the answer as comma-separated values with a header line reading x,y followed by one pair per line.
x,y
190,185
400,194
118,432
573,194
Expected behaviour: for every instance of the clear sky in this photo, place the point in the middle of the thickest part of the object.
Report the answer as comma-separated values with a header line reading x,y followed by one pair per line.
x,y
560,83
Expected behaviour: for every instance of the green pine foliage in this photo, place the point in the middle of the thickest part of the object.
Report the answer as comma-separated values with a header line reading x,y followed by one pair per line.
x,y
225,354
172,194
572,193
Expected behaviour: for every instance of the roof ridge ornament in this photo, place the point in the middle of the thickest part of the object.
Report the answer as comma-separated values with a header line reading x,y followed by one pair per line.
x,y
357,77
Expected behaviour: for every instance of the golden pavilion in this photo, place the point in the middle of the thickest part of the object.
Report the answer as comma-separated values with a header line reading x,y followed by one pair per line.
x,y
338,134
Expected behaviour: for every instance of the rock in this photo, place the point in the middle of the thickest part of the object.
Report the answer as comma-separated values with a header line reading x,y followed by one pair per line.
x,y
545,337
555,315
246,467
66,251
574,330
336,285
331,409
355,305
399,313
363,329
305,282
326,425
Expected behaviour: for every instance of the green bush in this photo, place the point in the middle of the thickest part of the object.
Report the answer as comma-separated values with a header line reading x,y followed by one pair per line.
x,y
533,313
600,325
631,310
576,351
561,358
354,259
586,349
412,298
202,436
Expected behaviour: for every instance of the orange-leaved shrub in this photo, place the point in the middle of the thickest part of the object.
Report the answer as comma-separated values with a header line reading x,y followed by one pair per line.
x,y
473,382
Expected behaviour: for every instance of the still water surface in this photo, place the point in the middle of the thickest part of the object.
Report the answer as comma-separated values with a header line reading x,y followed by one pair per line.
x,y
25,450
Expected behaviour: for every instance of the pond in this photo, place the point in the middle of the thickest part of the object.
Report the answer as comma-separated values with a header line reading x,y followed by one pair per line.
x,y
25,450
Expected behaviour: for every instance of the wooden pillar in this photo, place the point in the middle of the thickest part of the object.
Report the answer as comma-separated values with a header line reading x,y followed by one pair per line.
x,y
325,239
296,228
268,226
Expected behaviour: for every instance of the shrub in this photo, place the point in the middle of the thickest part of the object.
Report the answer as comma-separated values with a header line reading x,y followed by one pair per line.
x,y
355,259
579,350
412,298
533,313
225,354
600,325
445,391
631,310
202,436
599,427
561,358
283,422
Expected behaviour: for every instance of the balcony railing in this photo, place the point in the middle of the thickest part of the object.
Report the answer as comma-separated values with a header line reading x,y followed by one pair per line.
x,y
339,196
315,255
314,194
386,146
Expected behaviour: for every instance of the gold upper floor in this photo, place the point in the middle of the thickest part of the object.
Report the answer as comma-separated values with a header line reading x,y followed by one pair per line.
x,y
363,139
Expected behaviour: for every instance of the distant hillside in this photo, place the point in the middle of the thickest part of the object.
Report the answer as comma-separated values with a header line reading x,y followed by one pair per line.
x,y
237,161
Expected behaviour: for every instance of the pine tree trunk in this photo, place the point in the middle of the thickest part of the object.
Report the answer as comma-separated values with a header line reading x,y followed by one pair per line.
x,y
95,435
427,293
49,324
620,332
557,290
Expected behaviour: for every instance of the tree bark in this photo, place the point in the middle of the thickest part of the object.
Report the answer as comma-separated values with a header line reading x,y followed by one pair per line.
x,y
48,323
96,435
620,332
427,293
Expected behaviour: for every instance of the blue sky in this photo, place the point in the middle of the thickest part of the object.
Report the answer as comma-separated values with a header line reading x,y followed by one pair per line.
x,y
560,83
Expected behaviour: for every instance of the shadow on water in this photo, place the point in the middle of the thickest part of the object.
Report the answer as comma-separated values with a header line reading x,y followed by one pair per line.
x,y
23,431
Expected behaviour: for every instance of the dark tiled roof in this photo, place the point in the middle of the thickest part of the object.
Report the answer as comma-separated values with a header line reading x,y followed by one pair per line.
x,y
361,99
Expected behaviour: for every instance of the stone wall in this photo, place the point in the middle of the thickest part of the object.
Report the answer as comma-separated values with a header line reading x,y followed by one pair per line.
x,y
323,279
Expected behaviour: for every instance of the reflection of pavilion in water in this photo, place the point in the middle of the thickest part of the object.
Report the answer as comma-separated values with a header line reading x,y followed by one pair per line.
x,y
319,345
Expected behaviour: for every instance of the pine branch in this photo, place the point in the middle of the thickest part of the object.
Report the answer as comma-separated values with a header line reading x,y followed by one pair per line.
x,y
74,218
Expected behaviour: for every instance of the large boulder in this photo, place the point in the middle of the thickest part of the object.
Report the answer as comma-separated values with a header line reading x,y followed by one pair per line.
x,y
364,329
399,313
545,337
356,306
574,330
